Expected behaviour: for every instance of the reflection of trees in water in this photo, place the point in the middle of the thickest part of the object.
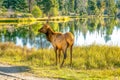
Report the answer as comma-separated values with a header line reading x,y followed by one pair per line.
x,y
110,24
103,27
91,25
8,34
24,33
29,34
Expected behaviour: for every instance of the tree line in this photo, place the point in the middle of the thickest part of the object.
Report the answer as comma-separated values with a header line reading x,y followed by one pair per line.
x,y
62,7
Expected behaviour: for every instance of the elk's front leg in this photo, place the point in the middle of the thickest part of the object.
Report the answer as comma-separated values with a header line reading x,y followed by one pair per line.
x,y
56,55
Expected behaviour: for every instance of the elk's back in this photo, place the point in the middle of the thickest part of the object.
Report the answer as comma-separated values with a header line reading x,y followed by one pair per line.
x,y
59,40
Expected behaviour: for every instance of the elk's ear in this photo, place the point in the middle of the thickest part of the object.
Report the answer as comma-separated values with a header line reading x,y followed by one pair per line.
x,y
47,25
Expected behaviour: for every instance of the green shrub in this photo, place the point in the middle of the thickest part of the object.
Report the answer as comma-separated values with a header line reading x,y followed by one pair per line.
x,y
37,12
54,11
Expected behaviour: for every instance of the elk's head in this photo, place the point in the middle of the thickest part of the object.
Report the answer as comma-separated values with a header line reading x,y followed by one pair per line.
x,y
44,28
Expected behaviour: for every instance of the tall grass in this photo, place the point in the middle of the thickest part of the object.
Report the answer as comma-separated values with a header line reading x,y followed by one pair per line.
x,y
86,57
95,61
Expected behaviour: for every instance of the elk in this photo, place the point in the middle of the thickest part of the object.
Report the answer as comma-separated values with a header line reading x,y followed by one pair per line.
x,y
60,42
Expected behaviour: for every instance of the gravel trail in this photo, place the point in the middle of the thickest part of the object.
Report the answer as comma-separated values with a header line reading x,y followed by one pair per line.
x,y
8,72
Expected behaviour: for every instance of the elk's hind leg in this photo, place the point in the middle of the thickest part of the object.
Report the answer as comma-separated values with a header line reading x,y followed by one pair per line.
x,y
64,56
59,55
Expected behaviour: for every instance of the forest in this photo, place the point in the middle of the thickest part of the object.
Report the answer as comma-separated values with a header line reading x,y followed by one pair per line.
x,y
42,8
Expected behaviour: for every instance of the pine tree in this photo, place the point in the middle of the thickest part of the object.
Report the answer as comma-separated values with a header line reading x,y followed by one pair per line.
x,y
71,6
20,5
92,8
110,7
80,7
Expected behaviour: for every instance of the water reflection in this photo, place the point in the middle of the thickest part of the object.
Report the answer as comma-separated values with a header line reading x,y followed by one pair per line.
x,y
86,31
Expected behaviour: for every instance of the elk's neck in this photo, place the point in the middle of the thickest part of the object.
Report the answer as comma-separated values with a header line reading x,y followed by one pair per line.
x,y
50,34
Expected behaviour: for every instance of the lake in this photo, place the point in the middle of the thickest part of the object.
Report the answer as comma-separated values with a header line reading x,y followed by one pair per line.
x,y
87,31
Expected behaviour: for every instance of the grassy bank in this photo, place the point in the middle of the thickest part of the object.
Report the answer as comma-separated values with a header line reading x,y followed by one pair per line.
x,y
16,20
44,19
89,62
58,19
29,20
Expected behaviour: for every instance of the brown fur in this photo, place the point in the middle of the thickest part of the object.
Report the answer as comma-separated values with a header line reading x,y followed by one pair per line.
x,y
59,41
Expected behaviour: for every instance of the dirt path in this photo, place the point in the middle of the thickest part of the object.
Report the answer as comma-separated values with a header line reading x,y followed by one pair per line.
x,y
8,72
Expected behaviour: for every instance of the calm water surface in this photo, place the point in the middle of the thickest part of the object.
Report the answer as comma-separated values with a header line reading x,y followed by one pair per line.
x,y
105,31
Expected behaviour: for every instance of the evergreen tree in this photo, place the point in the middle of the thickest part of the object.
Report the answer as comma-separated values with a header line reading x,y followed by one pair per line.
x,y
110,7
61,6
91,7
80,6
1,1
101,6
45,5
118,4
20,5
71,6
